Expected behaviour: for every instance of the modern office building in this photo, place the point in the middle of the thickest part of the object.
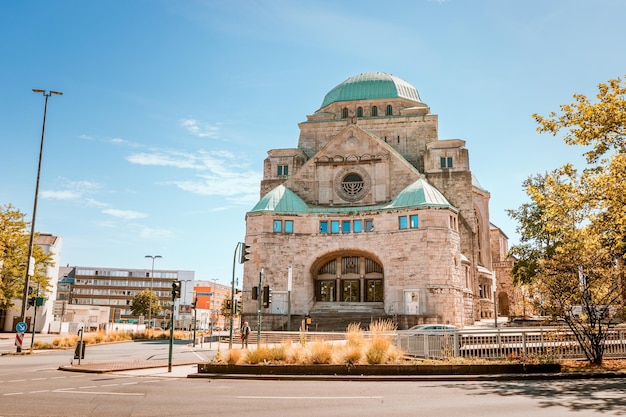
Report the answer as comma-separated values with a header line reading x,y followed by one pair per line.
x,y
370,216
116,287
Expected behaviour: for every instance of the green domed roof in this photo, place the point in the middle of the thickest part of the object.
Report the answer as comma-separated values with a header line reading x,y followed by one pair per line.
x,y
371,85
419,194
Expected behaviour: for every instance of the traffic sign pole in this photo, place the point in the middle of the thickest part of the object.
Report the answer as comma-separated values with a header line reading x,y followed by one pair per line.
x,y
19,338
20,328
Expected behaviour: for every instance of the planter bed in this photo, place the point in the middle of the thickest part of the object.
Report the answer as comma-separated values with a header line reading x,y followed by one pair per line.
x,y
374,370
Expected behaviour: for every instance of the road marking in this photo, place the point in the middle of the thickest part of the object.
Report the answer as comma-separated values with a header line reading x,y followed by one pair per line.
x,y
129,383
129,394
16,380
259,397
37,379
40,391
88,387
13,393
110,385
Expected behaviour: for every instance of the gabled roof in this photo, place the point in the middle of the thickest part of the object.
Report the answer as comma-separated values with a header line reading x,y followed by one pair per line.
x,y
420,194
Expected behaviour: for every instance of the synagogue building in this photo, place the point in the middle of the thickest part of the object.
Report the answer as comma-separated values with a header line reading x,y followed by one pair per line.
x,y
370,216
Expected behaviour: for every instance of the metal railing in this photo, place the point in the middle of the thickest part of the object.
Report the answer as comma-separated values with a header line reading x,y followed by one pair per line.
x,y
553,343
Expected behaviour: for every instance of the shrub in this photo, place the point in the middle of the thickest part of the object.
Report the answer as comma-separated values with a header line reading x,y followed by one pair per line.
x,y
234,356
258,355
394,355
351,355
297,355
354,335
381,332
278,353
377,351
320,352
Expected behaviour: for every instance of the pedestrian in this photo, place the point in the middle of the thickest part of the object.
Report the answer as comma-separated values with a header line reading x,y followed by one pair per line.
x,y
245,333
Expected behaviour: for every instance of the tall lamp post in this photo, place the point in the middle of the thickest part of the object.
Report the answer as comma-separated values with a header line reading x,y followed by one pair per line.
x,y
32,223
151,285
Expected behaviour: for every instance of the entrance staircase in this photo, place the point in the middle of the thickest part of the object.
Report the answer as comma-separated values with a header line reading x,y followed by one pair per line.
x,y
335,317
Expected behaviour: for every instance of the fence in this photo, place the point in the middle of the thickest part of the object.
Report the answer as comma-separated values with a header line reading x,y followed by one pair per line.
x,y
555,343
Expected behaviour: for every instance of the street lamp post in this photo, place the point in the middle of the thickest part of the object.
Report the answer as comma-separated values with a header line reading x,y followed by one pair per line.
x,y
153,257
32,223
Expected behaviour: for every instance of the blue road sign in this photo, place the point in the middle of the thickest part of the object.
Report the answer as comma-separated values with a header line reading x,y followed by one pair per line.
x,y
20,327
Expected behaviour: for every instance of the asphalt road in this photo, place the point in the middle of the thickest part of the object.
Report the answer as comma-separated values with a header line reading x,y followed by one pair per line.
x,y
32,385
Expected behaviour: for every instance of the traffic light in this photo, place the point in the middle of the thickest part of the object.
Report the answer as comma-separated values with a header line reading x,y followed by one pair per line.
x,y
255,293
176,289
228,304
267,297
31,301
194,304
237,306
244,253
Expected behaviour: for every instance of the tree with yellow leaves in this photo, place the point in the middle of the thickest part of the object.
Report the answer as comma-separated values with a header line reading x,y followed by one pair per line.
x,y
573,232
14,238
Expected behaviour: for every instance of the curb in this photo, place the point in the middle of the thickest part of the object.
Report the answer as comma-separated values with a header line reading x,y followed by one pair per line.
x,y
416,378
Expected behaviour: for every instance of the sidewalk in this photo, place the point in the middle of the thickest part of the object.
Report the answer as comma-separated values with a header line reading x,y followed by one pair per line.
x,y
104,367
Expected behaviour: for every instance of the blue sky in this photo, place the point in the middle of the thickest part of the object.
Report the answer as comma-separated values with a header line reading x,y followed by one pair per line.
x,y
170,106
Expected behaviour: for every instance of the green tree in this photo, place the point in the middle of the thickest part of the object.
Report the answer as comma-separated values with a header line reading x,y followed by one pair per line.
x,y
142,302
14,238
573,242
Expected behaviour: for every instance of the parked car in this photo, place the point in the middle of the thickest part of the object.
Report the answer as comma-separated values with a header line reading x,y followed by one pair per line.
x,y
430,328
426,327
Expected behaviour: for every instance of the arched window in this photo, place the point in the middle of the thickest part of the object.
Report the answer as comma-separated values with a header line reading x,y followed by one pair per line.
x,y
359,112
374,111
344,113
389,111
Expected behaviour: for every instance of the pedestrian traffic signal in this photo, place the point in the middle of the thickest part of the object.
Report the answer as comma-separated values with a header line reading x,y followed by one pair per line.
x,y
244,253
267,296
176,285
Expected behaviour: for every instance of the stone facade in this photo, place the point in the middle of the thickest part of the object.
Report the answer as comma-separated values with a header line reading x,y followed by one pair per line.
x,y
370,213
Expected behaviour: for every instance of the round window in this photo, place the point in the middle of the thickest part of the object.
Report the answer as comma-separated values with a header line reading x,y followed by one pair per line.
x,y
352,184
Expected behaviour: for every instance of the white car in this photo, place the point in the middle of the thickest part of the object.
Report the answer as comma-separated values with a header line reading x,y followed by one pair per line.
x,y
434,328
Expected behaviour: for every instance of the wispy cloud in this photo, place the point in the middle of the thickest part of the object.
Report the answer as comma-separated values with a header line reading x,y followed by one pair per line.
x,y
125,214
196,128
167,158
149,233
219,173
71,190
60,195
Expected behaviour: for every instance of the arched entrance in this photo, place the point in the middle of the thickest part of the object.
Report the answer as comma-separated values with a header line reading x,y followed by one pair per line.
x,y
503,304
349,279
